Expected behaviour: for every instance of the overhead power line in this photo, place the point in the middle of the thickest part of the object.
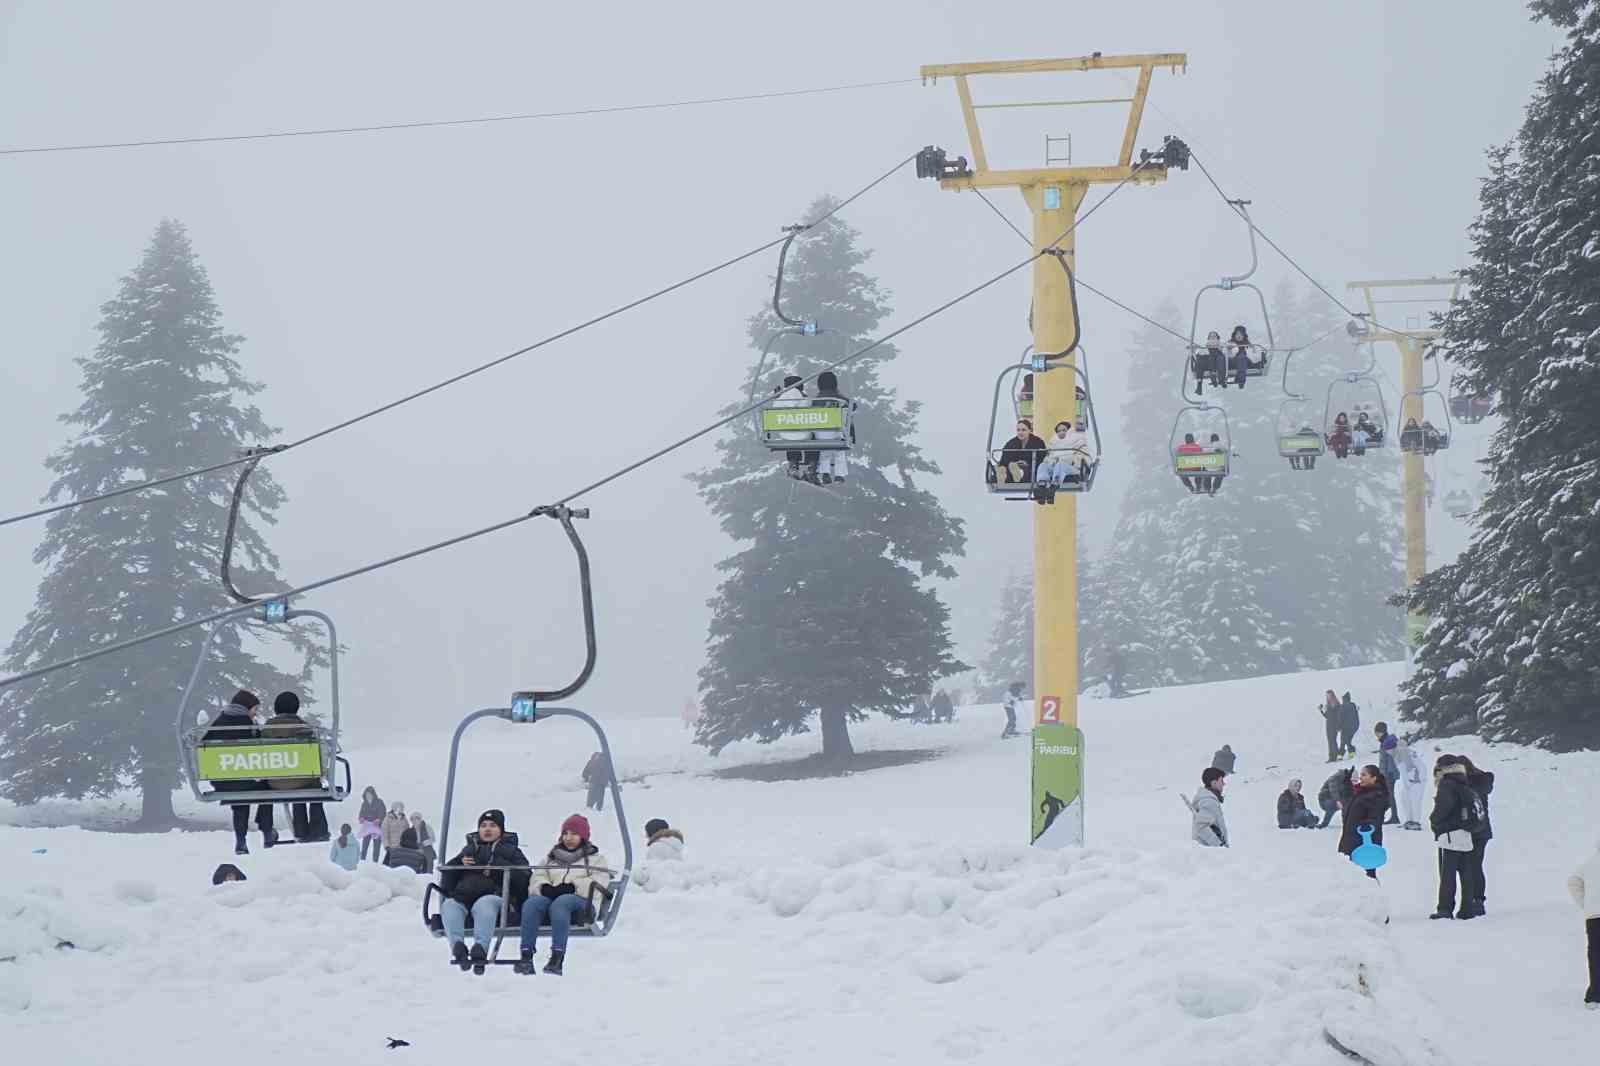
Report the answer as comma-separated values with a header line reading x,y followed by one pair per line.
x,y
465,374
623,471
485,120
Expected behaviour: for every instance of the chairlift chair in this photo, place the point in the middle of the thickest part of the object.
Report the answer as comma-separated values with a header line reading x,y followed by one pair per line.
x,y
240,769
1458,503
532,708
1032,488
1228,283
1298,440
1415,439
1362,395
1209,466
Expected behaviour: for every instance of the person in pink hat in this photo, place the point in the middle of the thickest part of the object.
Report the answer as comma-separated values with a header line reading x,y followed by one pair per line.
x,y
569,888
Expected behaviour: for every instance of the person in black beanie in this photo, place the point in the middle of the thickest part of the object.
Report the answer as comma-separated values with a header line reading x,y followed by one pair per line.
x,y
225,873
236,722
287,725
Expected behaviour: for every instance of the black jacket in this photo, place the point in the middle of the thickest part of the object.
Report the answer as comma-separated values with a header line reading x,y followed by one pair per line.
x,y
1335,790
1028,452
408,857
234,723
460,884
1289,805
1367,807
373,810
1349,716
1452,804
1482,783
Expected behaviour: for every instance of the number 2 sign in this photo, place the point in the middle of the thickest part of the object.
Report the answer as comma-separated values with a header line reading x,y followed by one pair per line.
x,y
1050,710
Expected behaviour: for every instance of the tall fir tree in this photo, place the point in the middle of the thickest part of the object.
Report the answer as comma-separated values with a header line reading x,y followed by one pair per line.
x,y
1009,657
162,392
825,611
1511,653
1284,569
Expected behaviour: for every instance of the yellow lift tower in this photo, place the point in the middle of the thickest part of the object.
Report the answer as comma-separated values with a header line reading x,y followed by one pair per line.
x,y
1412,344
1053,194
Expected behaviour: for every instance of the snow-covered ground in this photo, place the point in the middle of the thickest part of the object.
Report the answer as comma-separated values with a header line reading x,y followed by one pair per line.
x,y
889,916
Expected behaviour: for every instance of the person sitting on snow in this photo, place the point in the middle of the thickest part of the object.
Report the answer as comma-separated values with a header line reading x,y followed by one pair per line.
x,y
1292,813
406,853
662,842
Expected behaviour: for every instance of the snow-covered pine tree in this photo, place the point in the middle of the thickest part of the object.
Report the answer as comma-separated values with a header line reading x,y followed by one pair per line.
x,y
1512,647
1284,569
825,610
163,392
1010,654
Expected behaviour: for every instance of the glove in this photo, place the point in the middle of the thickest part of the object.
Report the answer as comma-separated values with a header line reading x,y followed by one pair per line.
x,y
563,890
548,891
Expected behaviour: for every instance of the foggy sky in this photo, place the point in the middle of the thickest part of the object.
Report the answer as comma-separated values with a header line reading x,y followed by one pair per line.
x,y
361,267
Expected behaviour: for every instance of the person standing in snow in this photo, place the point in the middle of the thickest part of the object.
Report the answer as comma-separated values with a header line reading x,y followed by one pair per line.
x,y
1409,764
1482,783
1349,725
662,842
1292,813
944,709
394,826
370,818
597,773
237,722
1585,888
345,851
470,884
1223,760
572,880
424,842
406,853
1366,808
1333,795
1453,821
1332,716
1390,769
1013,694
1210,828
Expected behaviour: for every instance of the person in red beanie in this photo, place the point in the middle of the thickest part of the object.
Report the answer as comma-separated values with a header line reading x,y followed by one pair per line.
x,y
570,885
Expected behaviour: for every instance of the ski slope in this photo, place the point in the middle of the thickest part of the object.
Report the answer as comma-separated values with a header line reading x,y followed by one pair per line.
x,y
889,916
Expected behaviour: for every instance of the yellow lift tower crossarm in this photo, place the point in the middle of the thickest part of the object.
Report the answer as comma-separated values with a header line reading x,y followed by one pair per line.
x,y
1382,332
1173,60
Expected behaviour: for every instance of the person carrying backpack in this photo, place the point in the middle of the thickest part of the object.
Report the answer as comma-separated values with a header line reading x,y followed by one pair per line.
x,y
1482,783
1458,813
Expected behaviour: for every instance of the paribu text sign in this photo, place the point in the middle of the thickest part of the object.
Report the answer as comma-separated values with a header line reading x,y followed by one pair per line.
x,y
775,419
236,762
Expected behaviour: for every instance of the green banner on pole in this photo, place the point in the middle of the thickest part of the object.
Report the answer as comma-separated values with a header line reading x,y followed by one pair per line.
x,y
1057,785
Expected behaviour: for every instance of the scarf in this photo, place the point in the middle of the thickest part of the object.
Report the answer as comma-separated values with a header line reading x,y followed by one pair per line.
x,y
562,857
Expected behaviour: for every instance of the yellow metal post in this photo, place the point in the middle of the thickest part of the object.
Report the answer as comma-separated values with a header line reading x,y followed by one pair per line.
x,y
1055,528
1053,195
1411,349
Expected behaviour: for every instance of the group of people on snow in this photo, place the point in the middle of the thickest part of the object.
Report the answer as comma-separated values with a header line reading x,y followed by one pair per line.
x,y
1346,438
1198,483
1220,365
242,719
818,466
1340,721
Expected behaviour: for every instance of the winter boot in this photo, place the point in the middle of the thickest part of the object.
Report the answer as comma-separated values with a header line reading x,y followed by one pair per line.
x,y
557,957
480,959
458,955
525,965
794,470
826,479
269,838
1436,915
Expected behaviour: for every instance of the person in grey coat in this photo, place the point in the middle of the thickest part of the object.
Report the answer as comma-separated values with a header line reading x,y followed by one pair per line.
x,y
1223,759
1210,827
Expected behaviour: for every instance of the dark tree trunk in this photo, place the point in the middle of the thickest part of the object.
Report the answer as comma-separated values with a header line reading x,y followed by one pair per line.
x,y
155,811
836,735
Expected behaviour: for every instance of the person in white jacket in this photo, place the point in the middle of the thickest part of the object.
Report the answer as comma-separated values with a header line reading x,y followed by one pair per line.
x,y
1410,789
1585,888
1210,827
663,843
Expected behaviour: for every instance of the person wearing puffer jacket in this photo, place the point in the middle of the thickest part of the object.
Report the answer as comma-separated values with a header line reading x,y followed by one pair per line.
x,y
472,882
1210,828
568,890
1585,888
662,842
394,826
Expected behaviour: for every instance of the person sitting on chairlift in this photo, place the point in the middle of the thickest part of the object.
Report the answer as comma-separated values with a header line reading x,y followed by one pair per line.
x,y
571,881
1373,431
1020,456
833,464
478,890
1214,482
1432,439
1339,440
1239,340
1190,447
1209,363
286,724
1307,461
792,393
1064,461
1411,436
237,722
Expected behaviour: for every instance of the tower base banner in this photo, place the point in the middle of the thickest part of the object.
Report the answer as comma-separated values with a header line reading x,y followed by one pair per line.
x,y
1057,786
